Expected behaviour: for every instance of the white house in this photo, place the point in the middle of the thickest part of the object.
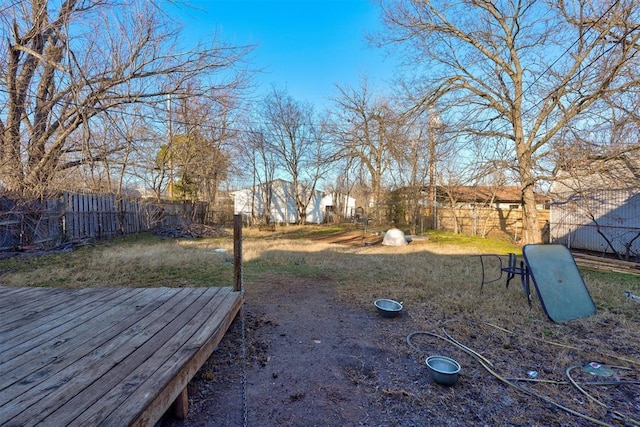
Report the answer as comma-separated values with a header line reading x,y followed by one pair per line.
x,y
340,206
277,199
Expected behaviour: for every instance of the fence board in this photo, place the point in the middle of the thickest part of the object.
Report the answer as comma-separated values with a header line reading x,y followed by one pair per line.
x,y
481,221
69,217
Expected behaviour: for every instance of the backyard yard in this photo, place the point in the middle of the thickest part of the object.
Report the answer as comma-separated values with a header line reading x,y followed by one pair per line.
x,y
314,351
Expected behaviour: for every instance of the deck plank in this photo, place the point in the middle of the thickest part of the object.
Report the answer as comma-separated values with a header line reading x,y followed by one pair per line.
x,y
34,306
49,322
44,357
183,374
131,358
177,367
127,354
95,364
149,375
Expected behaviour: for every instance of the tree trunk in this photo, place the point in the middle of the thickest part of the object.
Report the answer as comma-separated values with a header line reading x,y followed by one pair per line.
x,y
530,231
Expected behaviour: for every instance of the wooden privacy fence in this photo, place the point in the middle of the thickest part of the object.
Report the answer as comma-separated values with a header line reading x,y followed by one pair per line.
x,y
493,222
69,217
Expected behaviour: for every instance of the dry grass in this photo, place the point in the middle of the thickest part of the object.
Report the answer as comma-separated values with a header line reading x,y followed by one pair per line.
x,y
440,276
438,280
133,261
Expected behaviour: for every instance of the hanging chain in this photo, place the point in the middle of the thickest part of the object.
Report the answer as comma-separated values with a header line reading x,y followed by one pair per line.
x,y
245,409
238,284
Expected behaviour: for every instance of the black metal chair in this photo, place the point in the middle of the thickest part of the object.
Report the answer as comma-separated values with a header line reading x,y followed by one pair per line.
x,y
512,268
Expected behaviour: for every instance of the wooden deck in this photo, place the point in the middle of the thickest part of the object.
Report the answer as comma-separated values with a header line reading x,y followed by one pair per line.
x,y
108,356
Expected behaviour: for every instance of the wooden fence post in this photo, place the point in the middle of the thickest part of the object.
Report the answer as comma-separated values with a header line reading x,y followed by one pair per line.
x,y
237,253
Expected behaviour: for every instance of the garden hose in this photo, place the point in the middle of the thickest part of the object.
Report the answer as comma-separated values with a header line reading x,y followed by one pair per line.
x,y
596,401
529,392
486,363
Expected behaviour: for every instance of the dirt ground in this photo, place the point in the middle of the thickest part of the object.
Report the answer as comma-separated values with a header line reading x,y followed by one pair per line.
x,y
313,359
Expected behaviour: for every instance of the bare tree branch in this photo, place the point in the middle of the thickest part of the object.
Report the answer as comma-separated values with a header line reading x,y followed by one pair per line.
x,y
64,66
521,71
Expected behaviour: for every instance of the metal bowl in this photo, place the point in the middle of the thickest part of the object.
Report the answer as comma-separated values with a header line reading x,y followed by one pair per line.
x,y
388,307
444,370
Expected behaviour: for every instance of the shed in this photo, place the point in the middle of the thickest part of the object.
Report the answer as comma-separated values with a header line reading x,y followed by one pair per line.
x,y
596,207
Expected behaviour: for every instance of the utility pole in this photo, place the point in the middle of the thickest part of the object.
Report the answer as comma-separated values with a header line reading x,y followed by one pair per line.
x,y
435,123
169,147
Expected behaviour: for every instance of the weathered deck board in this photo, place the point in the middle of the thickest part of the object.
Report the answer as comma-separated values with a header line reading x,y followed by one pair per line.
x,y
108,356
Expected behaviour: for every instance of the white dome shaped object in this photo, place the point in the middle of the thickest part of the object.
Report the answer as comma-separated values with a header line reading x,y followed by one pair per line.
x,y
394,237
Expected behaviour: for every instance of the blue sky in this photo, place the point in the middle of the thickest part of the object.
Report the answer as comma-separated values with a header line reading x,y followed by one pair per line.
x,y
305,46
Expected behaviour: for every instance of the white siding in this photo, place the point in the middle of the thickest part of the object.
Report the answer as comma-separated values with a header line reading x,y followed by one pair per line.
x,y
283,205
587,220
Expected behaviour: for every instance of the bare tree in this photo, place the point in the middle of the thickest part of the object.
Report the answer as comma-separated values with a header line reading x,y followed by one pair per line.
x,y
523,72
298,145
264,165
66,62
367,132
410,172
200,141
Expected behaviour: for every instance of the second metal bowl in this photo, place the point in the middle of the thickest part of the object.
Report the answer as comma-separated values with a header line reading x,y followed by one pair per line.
x,y
388,307
444,370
